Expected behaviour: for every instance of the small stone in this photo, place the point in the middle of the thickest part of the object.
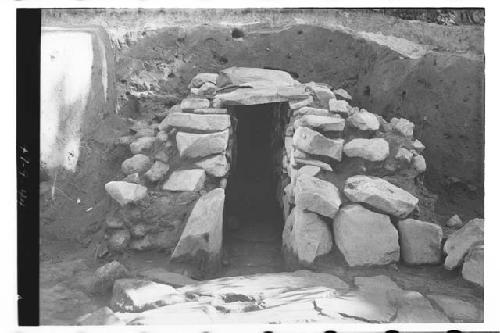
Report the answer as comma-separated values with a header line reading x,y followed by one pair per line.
x,y
380,194
112,221
216,166
200,145
456,309
418,146
315,143
308,161
420,242
341,94
126,140
374,150
473,267
317,196
157,171
341,107
162,136
131,295
403,126
105,276
455,222
323,123
304,111
141,244
364,121
185,180
365,237
461,241
145,132
132,178
321,91
138,230
142,145
124,192
223,183
202,78
162,156
419,163
207,89
404,154
138,163
119,240
301,103
194,103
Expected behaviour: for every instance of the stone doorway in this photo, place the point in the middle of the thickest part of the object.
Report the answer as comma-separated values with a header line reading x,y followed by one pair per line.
x,y
253,217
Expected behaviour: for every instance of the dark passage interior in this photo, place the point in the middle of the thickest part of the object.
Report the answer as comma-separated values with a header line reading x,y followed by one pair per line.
x,y
253,217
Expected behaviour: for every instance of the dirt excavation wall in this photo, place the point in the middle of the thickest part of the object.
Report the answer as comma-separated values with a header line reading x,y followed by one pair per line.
x,y
78,102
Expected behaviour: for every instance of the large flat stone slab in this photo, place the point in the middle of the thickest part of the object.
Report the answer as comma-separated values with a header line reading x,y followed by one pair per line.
x,y
185,180
201,240
461,241
380,194
197,122
254,77
364,237
315,143
199,145
420,241
316,195
259,95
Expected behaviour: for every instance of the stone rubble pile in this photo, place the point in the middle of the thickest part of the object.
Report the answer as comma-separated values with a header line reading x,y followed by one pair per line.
x,y
348,177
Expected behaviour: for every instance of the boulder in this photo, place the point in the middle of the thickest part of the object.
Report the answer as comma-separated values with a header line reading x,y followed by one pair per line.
x,y
315,143
142,145
380,194
456,309
138,163
200,145
201,240
131,295
124,192
306,236
341,107
374,150
105,276
473,267
157,171
322,123
185,180
316,195
364,121
197,122
202,78
461,241
419,163
192,103
403,127
365,237
321,91
304,111
341,94
420,241
216,166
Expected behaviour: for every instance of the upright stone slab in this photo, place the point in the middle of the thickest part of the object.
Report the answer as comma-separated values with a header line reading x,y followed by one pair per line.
x,y
316,195
315,143
364,237
200,145
374,150
380,194
305,237
197,122
201,240
420,241
461,241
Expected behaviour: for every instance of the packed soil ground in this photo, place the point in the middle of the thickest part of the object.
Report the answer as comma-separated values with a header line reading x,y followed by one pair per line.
x,y
430,74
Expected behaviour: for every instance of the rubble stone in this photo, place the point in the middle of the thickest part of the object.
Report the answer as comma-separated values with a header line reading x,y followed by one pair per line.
x,y
185,180
370,149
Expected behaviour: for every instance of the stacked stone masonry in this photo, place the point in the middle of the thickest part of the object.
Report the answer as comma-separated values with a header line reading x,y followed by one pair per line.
x,y
344,179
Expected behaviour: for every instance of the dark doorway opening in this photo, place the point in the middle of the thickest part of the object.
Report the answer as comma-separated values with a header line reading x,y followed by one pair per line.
x,y
253,217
